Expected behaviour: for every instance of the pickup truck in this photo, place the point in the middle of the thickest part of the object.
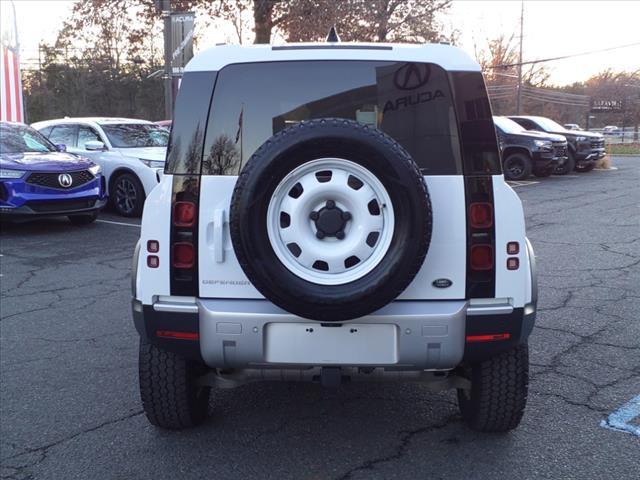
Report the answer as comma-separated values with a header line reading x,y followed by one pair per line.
x,y
585,148
524,152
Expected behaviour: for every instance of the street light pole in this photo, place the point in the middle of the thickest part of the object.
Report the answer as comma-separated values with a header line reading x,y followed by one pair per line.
x,y
168,74
519,97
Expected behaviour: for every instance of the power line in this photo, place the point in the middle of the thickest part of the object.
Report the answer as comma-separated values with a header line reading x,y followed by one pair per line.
x,y
550,59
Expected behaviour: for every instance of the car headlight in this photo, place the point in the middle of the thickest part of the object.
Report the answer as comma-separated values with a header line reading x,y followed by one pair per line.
x,y
544,144
581,139
152,163
96,169
11,173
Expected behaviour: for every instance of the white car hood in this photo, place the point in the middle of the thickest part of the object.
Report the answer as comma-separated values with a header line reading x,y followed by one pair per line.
x,y
145,153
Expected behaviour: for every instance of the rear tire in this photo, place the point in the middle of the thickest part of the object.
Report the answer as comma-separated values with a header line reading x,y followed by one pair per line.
x,y
498,393
171,397
80,220
568,165
127,195
517,166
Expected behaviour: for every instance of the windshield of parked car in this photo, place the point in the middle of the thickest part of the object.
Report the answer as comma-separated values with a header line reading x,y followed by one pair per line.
x,y
507,125
23,139
549,125
135,135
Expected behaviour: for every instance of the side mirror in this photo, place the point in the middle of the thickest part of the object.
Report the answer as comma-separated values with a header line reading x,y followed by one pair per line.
x,y
61,147
94,145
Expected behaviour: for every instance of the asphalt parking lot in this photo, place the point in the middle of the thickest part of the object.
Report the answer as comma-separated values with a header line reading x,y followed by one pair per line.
x,y
69,404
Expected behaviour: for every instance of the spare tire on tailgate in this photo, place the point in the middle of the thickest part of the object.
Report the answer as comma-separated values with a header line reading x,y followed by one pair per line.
x,y
330,219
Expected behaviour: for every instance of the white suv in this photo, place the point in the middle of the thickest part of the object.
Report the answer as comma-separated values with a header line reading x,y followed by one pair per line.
x,y
130,152
334,212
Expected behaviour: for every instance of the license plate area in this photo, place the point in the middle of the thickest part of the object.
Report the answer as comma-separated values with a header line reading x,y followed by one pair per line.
x,y
345,344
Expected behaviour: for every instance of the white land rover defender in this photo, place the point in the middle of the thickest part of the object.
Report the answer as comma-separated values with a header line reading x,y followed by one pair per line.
x,y
333,212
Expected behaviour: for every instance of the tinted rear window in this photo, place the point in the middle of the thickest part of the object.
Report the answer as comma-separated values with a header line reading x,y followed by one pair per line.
x,y
411,102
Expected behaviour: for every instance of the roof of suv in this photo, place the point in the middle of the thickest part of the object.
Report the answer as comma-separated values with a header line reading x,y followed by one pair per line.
x,y
448,57
98,120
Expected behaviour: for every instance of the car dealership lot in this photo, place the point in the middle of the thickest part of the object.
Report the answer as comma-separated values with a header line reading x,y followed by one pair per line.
x,y
69,404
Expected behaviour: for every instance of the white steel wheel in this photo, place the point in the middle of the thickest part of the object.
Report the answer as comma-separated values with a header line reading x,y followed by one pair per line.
x,y
330,221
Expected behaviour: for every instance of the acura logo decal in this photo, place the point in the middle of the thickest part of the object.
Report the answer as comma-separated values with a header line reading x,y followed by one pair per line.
x,y
412,76
65,180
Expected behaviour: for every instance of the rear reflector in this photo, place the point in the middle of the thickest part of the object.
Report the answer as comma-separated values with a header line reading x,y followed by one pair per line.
x,y
488,338
481,257
184,214
183,255
481,215
177,335
153,261
513,248
153,246
513,263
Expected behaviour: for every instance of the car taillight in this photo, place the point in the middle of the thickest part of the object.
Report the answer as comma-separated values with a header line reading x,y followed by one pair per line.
x,y
184,214
182,255
153,246
513,248
184,235
513,263
153,261
481,215
481,257
481,248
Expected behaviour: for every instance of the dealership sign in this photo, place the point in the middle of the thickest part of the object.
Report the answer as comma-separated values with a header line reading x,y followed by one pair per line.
x,y
181,40
606,106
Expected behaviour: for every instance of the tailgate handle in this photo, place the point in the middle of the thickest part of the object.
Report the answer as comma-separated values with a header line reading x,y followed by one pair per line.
x,y
218,235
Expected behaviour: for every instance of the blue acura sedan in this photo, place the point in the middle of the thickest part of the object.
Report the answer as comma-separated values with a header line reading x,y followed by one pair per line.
x,y
39,179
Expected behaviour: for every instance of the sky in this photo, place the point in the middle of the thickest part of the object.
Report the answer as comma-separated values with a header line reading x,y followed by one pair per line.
x,y
551,28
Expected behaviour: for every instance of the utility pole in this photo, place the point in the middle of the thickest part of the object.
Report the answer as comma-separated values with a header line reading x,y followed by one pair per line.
x,y
168,73
519,97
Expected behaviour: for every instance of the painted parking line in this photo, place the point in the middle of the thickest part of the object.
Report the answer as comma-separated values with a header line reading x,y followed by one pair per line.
x,y
119,223
605,169
522,183
621,419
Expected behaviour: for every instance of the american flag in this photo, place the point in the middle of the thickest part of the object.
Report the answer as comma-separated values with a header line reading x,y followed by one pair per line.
x,y
10,87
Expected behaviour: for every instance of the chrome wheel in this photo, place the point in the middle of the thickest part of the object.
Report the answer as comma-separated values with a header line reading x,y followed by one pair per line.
x,y
330,221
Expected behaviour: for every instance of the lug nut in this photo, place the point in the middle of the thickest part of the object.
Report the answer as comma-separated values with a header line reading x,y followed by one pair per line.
x,y
313,215
320,234
340,235
346,216
331,204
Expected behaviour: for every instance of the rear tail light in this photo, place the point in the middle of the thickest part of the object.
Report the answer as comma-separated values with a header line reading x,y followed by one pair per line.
x,y
513,263
153,246
513,248
184,214
481,215
481,257
153,261
488,338
183,255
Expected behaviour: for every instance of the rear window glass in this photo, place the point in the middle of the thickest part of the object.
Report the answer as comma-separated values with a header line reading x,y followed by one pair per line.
x,y
411,102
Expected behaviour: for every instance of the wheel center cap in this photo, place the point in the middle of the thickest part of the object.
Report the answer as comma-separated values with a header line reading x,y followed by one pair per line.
x,y
330,221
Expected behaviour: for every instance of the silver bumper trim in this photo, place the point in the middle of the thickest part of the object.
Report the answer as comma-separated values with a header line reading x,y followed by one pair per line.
x,y
175,307
429,335
491,309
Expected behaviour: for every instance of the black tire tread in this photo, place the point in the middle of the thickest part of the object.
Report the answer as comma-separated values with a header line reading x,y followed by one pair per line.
x,y
136,212
167,388
568,166
498,392
528,167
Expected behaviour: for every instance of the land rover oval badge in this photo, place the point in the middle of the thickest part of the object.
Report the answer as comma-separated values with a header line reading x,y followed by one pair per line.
x,y
442,283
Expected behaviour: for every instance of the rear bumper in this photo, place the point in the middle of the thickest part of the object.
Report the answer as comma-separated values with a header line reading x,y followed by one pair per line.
x,y
404,335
